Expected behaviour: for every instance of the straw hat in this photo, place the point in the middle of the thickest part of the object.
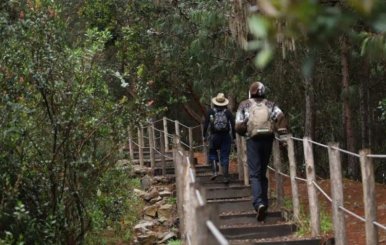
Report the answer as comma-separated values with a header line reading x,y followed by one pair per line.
x,y
220,100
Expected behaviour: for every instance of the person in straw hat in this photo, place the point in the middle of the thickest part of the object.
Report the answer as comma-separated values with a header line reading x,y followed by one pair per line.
x,y
219,125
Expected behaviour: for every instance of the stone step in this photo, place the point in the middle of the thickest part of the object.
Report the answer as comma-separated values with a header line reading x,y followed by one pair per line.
x,y
204,178
232,206
258,231
249,218
227,192
170,169
214,184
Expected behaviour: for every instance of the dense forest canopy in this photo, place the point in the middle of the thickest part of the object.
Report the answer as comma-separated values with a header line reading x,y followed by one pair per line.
x,y
75,74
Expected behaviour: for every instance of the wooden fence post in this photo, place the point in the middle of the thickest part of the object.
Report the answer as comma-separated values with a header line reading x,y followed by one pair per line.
x,y
244,162
294,185
151,146
141,145
177,159
370,207
166,134
312,196
131,151
278,176
177,128
337,194
240,168
191,153
186,195
155,144
205,146
162,149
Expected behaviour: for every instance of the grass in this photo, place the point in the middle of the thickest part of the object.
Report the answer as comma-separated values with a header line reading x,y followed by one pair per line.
x,y
171,200
303,224
174,242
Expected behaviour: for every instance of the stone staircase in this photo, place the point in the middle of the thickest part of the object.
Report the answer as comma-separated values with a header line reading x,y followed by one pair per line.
x,y
237,217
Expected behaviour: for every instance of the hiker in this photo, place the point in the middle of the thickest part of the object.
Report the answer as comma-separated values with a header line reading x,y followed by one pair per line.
x,y
220,122
258,119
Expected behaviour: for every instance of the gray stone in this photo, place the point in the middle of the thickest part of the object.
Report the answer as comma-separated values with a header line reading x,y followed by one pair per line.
x,y
155,200
165,193
149,238
165,212
150,195
166,236
151,211
144,226
146,182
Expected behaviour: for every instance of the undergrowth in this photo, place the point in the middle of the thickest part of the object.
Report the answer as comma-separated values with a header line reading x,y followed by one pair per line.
x,y
115,209
303,224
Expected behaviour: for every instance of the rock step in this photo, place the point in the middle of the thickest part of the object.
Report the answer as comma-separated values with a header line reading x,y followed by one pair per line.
x,y
249,218
232,206
205,177
227,192
214,184
258,231
170,169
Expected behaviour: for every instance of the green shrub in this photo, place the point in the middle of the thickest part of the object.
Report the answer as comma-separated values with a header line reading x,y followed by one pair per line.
x,y
115,208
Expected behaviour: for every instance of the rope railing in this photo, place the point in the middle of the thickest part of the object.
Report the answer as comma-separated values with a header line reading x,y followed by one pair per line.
x,y
193,221
364,157
220,238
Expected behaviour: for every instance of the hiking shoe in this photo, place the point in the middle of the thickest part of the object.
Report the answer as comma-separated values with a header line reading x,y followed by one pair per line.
x,y
261,212
214,176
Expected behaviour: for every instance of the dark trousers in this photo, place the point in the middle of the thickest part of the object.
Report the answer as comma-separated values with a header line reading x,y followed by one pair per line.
x,y
222,142
259,151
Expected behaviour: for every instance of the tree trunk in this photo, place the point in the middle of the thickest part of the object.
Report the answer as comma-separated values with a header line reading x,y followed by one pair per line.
x,y
309,123
191,112
353,167
364,104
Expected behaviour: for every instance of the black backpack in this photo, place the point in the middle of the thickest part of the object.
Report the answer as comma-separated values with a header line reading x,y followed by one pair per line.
x,y
220,122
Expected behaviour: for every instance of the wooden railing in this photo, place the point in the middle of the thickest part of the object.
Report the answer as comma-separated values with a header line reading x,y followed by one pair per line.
x,y
334,155
158,138
198,221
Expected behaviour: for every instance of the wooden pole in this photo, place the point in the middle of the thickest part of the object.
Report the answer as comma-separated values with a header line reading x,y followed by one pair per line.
x,y
162,149
294,185
245,161
337,194
278,176
312,196
155,142
186,195
131,151
177,128
370,206
191,153
177,159
166,134
141,145
151,146
240,168
205,146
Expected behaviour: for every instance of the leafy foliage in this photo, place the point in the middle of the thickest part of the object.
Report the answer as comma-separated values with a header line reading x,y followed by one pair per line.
x,y
61,127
